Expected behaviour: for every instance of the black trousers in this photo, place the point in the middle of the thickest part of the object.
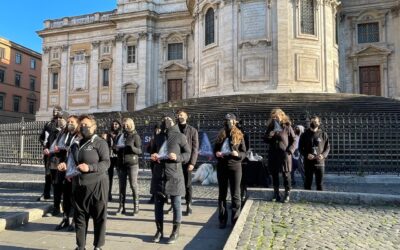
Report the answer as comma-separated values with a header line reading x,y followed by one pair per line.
x,y
309,171
57,180
90,201
233,177
132,173
47,178
188,184
113,165
67,198
286,180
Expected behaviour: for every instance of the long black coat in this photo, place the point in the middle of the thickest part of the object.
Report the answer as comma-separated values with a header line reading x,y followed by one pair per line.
x,y
168,175
281,148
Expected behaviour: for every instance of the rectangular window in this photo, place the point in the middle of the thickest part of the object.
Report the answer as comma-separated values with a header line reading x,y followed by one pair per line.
x,y
33,63
106,49
106,77
79,57
31,106
54,81
368,32
16,100
175,51
18,58
307,17
2,53
2,75
55,55
17,80
131,55
32,84
2,99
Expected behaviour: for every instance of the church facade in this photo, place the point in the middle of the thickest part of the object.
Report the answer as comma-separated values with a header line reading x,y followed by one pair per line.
x,y
148,52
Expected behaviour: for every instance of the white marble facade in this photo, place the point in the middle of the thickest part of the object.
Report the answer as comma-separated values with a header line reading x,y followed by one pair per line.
x,y
149,52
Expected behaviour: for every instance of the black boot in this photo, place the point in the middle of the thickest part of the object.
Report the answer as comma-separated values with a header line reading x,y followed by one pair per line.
x,y
135,202
63,224
286,197
175,233
276,196
71,226
121,209
159,234
189,210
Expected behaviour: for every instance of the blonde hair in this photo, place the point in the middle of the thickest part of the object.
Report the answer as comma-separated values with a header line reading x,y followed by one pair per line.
x,y
284,119
236,134
130,123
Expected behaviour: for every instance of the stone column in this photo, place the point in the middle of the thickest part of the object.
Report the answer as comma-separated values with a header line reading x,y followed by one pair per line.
x,y
94,76
44,86
144,86
117,98
64,79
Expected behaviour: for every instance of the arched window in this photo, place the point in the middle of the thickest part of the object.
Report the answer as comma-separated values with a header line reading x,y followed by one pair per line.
x,y
209,27
307,15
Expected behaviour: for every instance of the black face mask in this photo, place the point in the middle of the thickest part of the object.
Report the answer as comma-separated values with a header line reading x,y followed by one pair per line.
x,y
85,131
297,132
228,126
162,126
314,125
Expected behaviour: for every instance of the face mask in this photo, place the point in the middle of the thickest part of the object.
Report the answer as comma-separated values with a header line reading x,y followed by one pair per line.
x,y
314,125
228,125
85,131
61,123
71,127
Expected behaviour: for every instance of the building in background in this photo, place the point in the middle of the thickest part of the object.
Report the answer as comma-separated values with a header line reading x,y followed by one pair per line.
x,y
149,52
20,81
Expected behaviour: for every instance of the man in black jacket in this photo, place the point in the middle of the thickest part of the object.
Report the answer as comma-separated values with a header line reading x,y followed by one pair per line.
x,y
192,137
314,146
46,138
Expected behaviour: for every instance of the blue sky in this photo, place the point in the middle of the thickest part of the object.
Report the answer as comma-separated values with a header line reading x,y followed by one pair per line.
x,y
20,19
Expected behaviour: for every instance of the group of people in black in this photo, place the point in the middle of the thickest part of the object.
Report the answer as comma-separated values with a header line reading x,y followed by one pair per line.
x,y
80,166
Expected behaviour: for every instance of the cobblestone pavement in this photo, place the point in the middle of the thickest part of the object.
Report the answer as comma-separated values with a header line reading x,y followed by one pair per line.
x,y
320,226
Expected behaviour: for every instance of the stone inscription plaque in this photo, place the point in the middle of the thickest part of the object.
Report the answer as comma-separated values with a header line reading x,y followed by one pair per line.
x,y
253,20
80,75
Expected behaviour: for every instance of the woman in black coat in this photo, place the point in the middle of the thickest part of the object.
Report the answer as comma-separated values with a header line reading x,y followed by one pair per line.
x,y
128,164
170,150
230,150
282,144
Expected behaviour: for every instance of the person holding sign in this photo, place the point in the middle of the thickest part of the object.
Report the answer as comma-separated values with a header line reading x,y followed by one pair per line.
x,y
128,165
169,151
64,185
90,187
282,144
314,146
230,150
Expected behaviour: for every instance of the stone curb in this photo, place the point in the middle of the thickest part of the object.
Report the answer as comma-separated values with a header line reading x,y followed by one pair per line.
x,y
233,239
329,197
308,196
24,217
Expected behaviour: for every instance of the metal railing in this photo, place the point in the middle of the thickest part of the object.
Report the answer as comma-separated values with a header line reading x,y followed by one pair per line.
x,y
364,143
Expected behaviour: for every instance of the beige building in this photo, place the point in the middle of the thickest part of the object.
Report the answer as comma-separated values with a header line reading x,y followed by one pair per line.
x,y
148,52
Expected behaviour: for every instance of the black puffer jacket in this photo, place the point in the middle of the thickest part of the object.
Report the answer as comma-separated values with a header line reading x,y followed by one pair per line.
x,y
129,155
95,153
168,175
